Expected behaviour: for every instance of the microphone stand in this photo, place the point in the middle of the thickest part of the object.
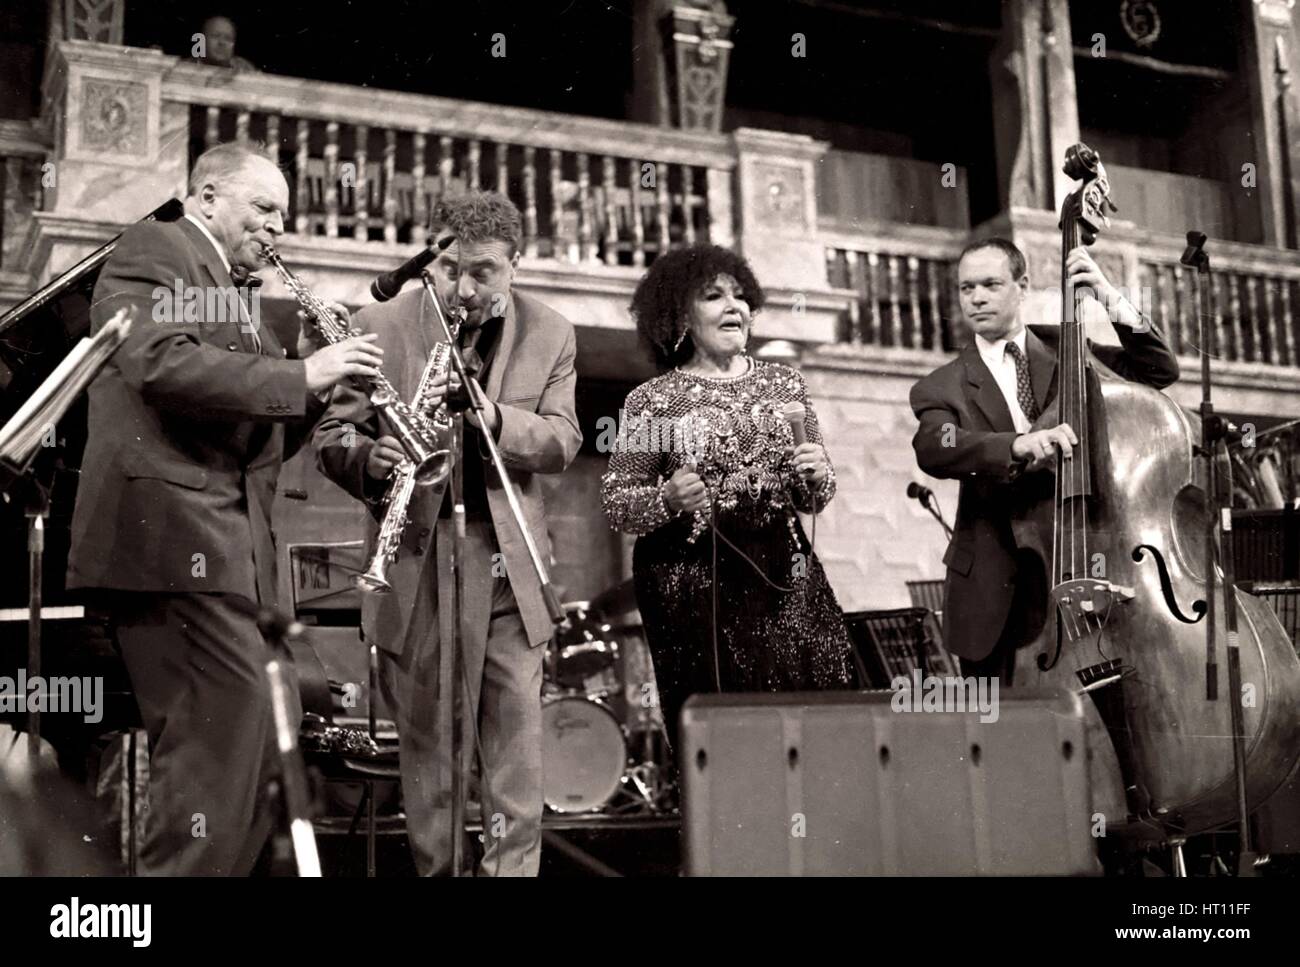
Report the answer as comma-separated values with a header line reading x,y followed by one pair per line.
x,y
1215,431
477,401
932,505
295,789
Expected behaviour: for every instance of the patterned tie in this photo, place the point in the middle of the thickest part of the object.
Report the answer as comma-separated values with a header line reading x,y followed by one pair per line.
x,y
1024,388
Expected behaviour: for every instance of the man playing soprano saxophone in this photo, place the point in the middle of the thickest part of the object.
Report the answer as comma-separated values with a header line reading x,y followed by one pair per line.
x,y
523,353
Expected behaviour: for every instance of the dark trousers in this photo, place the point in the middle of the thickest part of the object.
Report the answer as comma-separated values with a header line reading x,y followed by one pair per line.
x,y
198,667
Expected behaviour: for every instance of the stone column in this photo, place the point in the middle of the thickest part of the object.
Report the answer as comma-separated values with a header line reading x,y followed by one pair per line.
x,y
1032,74
117,153
1270,43
776,218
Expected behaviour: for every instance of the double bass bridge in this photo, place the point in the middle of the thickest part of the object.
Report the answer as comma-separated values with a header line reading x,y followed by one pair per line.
x,y
1084,604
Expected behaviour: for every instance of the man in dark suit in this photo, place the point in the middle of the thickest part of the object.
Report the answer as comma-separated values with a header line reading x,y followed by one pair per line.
x,y
524,354
188,426
976,414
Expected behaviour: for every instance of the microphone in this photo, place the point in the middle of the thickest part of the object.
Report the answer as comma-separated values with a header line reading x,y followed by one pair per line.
x,y
794,414
917,492
390,283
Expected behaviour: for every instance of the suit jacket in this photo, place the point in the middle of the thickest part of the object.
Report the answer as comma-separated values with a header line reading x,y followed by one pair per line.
x,y
966,434
188,427
532,380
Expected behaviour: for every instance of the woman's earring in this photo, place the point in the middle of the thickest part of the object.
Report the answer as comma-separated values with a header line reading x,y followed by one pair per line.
x,y
680,339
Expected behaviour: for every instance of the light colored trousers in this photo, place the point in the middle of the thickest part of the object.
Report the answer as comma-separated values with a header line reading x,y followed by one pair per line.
x,y
505,692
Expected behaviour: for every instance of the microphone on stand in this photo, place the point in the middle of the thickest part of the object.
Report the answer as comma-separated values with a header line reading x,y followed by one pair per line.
x,y
389,284
925,497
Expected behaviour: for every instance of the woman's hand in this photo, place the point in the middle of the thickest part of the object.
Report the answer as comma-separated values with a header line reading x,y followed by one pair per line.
x,y
685,491
810,463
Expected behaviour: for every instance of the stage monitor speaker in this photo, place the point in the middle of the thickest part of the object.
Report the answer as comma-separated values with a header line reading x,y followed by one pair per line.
x,y
841,783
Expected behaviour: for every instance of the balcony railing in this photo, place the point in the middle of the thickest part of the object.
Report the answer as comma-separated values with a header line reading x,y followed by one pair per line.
x,y
1253,311
370,165
903,283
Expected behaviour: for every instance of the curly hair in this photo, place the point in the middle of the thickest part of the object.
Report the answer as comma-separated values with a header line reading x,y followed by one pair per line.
x,y
477,217
661,304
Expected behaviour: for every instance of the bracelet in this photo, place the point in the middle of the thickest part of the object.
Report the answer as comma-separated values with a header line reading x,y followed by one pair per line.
x,y
663,499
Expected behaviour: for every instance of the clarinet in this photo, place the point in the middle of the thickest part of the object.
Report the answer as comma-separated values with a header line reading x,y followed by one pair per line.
x,y
413,430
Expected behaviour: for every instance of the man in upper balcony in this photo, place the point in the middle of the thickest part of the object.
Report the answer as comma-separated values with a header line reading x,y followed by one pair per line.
x,y
977,415
215,45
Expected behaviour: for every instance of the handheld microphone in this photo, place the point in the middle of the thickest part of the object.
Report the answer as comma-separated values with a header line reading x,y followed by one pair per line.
x,y
794,414
918,492
390,283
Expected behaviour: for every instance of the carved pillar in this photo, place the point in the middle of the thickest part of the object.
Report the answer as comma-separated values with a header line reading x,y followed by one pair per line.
x,y
96,20
680,72
1288,108
1272,23
1032,73
698,71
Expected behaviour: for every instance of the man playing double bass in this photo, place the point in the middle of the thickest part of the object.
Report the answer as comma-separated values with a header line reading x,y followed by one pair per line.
x,y
977,414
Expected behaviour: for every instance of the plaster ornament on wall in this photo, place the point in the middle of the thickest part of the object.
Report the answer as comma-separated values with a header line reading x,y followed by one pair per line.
x,y
780,195
114,116
1141,20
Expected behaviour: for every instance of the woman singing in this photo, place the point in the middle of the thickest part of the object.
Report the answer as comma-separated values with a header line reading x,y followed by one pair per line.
x,y
707,473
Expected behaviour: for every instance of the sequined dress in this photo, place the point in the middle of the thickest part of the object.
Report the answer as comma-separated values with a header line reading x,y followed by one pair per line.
x,y
787,637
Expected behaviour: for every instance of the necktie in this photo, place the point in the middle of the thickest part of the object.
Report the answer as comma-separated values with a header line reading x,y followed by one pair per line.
x,y
469,352
245,281
1024,388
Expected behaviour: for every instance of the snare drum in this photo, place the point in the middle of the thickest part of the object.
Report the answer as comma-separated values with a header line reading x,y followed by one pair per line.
x,y
584,754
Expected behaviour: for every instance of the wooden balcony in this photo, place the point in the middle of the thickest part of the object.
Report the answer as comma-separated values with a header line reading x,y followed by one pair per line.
x,y
600,200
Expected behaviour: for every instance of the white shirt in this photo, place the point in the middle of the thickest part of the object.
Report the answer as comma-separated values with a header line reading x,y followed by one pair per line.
x,y
1003,367
211,238
247,324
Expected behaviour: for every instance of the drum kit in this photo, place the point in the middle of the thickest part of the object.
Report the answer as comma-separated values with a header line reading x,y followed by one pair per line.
x,y
604,744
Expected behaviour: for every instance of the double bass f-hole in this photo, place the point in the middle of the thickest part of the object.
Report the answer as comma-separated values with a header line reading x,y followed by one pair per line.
x,y
1199,606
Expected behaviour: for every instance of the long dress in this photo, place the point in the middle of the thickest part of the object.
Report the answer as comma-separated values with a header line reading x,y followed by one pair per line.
x,y
778,630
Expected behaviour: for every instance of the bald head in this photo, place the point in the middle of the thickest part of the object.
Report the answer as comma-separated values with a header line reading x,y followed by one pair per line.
x,y
241,197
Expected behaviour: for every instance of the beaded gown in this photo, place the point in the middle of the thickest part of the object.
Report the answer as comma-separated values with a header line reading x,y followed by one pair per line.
x,y
786,635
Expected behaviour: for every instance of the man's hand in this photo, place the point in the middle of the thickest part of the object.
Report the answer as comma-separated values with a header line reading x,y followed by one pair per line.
x,y
444,383
491,412
384,456
309,334
355,356
685,491
1040,447
1083,272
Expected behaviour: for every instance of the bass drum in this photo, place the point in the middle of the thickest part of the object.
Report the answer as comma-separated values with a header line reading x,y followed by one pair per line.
x,y
584,754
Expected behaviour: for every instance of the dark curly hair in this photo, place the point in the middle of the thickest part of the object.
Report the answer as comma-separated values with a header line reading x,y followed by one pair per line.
x,y
478,216
661,304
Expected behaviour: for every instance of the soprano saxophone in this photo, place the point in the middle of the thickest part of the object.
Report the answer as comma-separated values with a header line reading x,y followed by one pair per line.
x,y
413,430
397,501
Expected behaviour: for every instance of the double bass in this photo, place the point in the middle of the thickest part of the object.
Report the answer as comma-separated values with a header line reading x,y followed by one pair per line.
x,y
1120,536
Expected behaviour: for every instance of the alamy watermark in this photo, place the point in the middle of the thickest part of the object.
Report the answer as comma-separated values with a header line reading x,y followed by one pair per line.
x,y
208,305
948,693
82,696
653,434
